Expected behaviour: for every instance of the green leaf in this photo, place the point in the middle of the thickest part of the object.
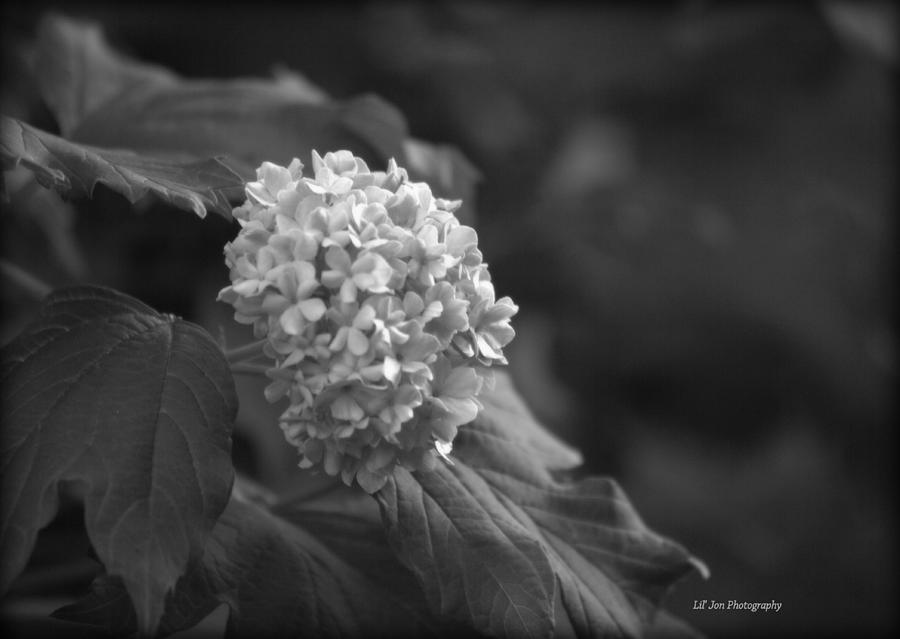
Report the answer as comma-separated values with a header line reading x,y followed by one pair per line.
x,y
75,169
280,581
134,407
494,536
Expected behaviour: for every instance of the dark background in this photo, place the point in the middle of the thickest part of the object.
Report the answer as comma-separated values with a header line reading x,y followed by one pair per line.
x,y
693,206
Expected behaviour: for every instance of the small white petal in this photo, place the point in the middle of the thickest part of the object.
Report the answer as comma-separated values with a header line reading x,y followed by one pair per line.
x,y
312,309
391,369
292,321
443,449
357,342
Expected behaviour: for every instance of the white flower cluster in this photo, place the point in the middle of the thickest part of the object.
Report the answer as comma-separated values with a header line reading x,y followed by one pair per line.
x,y
376,307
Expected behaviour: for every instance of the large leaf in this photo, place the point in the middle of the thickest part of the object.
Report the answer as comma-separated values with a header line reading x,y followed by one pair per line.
x,y
494,538
447,171
107,606
245,119
281,581
75,169
476,562
348,522
504,408
102,98
136,408
77,71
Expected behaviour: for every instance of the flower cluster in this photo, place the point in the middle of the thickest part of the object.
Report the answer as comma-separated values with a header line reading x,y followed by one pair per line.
x,y
376,306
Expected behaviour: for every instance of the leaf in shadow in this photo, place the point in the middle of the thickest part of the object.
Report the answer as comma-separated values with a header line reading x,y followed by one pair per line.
x,y
504,405
347,521
77,72
104,99
74,170
492,536
137,408
478,564
449,173
280,580
108,607
248,120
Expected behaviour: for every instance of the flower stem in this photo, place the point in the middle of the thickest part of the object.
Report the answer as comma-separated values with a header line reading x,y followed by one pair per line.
x,y
244,368
245,352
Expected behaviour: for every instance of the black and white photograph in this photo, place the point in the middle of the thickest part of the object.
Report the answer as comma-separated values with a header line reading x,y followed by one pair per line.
x,y
523,320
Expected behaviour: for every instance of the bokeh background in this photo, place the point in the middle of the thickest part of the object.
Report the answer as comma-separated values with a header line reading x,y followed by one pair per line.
x,y
693,205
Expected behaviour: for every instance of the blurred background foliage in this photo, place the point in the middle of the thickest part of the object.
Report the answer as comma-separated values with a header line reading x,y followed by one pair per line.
x,y
693,205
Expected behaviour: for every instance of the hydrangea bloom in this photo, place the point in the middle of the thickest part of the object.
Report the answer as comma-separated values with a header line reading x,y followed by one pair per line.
x,y
376,307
